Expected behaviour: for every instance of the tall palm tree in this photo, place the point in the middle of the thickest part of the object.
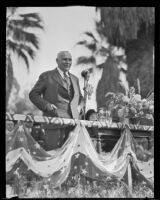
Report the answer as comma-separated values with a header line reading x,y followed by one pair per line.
x,y
124,24
20,40
131,28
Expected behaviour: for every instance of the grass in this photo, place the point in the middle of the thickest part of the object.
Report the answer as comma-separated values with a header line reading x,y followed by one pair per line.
x,y
43,189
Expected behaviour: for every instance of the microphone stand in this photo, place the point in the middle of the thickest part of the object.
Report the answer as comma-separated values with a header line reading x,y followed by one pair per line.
x,y
86,79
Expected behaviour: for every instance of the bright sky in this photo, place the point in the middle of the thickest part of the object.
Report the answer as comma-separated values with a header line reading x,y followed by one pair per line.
x,y
64,26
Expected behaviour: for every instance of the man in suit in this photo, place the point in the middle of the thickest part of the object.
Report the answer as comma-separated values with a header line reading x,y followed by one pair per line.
x,y
57,92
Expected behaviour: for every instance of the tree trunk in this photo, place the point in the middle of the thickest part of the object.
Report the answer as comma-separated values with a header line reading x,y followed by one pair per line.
x,y
109,81
9,78
140,65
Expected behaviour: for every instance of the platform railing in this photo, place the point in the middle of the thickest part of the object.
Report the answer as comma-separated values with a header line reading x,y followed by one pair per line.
x,y
73,122
105,129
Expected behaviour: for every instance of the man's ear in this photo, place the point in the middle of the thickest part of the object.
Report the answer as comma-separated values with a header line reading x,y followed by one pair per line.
x,y
57,60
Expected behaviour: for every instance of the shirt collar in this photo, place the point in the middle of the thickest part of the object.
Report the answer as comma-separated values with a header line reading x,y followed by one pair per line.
x,y
62,73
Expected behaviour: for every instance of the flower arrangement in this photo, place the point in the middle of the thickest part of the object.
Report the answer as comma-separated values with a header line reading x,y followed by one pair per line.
x,y
89,90
130,106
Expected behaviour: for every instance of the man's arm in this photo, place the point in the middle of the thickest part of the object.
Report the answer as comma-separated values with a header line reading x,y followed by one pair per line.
x,y
36,93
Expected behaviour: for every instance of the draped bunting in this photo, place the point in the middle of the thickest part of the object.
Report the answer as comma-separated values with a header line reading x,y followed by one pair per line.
x,y
76,157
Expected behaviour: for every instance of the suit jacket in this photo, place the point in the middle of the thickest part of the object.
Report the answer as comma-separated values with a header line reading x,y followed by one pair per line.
x,y
50,88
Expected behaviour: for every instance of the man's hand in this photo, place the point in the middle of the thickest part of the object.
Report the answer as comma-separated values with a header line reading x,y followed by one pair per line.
x,y
51,107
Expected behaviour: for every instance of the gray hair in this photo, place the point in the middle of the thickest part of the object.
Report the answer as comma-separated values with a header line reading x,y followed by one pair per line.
x,y
61,53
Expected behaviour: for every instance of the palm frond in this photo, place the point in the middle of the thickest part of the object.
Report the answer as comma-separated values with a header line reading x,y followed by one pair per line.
x,y
101,66
86,60
22,55
91,46
28,50
19,39
32,16
121,24
20,35
83,42
91,35
15,47
26,23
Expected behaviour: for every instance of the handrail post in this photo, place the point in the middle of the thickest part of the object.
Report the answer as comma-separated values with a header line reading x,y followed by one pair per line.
x,y
99,147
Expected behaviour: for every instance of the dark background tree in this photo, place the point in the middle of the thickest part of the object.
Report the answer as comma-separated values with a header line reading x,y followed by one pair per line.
x,y
109,81
131,28
20,41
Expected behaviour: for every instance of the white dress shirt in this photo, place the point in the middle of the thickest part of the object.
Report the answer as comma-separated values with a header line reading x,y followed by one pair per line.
x,y
62,73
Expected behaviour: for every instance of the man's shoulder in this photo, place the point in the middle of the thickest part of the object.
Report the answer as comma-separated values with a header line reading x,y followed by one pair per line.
x,y
47,73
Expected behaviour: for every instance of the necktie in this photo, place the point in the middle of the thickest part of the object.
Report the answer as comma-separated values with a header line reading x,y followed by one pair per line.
x,y
66,78
68,82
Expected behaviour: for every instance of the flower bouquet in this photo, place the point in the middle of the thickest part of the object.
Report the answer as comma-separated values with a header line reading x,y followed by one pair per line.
x,y
131,108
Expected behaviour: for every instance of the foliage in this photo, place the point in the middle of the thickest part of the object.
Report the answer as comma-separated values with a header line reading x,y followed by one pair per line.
x,y
99,47
131,28
37,188
123,24
22,105
20,40
130,105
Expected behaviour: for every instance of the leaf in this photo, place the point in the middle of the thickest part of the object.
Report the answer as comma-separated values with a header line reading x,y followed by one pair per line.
x,y
23,36
110,95
26,23
91,46
85,60
81,42
121,113
91,35
32,16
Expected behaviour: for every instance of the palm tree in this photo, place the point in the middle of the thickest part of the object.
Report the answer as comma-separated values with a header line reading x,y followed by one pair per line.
x,y
131,28
110,77
20,40
124,24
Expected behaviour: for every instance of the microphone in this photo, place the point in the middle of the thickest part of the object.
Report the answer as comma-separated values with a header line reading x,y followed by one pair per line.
x,y
85,74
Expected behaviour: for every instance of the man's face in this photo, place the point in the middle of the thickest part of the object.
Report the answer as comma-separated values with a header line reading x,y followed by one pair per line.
x,y
64,61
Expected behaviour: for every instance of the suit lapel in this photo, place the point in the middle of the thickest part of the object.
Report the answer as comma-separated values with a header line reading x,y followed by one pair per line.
x,y
73,83
58,78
